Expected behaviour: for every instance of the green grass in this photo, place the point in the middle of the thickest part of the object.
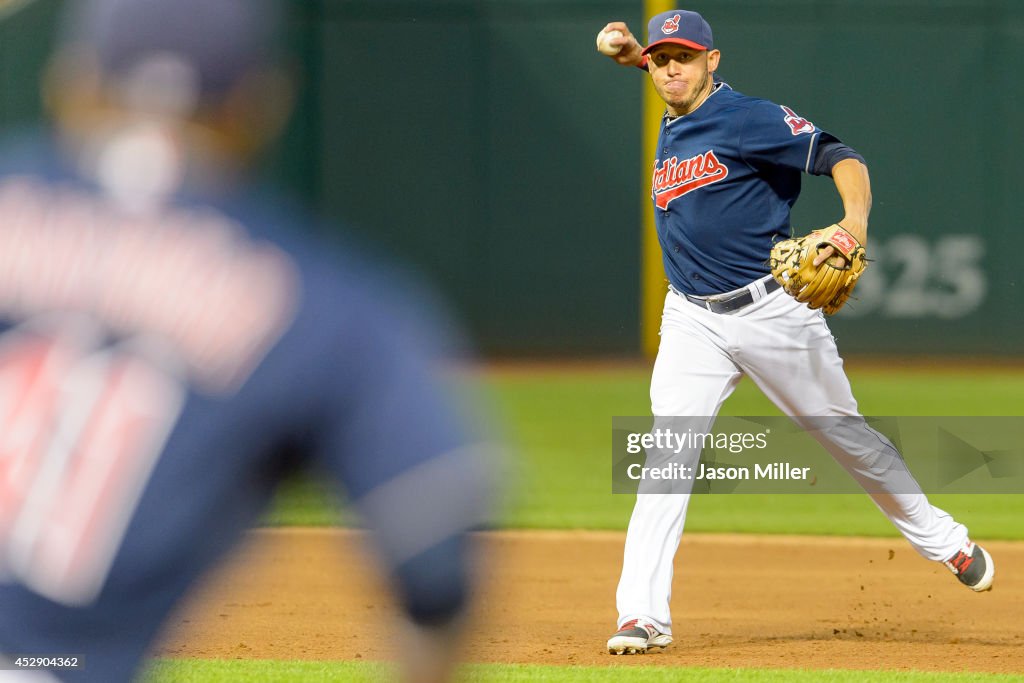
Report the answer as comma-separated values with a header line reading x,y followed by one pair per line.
x,y
263,670
559,422
270,671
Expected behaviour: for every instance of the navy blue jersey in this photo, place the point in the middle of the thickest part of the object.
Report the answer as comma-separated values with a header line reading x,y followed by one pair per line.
x,y
161,370
725,178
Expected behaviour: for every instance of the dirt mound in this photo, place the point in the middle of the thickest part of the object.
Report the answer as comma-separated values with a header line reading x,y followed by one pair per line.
x,y
738,601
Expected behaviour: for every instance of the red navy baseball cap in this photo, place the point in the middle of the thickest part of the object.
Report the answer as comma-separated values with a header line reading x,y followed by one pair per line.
x,y
681,27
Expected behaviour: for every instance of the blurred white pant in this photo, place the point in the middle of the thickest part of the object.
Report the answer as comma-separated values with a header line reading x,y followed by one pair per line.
x,y
788,351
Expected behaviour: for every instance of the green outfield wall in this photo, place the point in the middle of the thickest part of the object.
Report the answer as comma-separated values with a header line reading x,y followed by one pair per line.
x,y
489,146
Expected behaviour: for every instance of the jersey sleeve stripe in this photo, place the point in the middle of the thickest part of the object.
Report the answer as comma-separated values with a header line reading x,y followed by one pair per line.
x,y
810,151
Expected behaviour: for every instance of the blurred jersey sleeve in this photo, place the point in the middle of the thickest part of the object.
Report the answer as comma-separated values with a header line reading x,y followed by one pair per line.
x,y
414,463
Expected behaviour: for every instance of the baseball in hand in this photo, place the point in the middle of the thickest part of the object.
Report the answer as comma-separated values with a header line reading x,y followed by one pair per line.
x,y
604,47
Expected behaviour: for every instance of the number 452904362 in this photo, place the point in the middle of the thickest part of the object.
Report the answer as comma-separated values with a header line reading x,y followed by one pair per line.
x,y
81,427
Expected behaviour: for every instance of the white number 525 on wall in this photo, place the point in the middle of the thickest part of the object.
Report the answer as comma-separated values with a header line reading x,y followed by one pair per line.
x,y
915,276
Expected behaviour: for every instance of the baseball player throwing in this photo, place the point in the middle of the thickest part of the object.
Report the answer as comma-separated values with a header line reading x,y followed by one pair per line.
x,y
727,172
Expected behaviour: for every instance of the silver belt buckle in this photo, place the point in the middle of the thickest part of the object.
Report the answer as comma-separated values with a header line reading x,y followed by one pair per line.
x,y
724,298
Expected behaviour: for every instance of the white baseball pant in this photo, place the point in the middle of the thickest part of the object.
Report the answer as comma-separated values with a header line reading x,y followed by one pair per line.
x,y
789,352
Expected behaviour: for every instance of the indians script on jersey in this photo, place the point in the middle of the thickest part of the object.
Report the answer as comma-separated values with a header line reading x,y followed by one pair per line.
x,y
675,177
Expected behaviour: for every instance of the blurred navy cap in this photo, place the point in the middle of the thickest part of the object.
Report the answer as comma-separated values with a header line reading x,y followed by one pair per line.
x,y
681,27
220,40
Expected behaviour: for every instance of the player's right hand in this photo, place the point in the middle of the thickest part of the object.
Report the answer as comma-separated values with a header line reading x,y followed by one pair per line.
x,y
631,48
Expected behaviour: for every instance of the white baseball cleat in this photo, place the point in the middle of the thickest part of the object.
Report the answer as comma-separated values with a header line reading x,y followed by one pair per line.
x,y
635,637
973,566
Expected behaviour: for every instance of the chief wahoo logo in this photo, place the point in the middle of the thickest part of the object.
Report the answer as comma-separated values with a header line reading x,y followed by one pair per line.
x,y
670,25
797,124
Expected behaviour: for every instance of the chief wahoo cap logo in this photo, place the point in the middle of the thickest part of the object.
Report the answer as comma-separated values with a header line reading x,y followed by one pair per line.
x,y
670,25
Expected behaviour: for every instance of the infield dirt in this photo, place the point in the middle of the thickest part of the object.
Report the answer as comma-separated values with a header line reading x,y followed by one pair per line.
x,y
738,601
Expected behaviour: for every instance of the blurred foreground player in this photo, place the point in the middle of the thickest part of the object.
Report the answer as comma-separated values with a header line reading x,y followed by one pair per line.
x,y
171,347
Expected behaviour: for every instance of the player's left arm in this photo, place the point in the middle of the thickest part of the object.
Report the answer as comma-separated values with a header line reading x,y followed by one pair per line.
x,y
854,185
